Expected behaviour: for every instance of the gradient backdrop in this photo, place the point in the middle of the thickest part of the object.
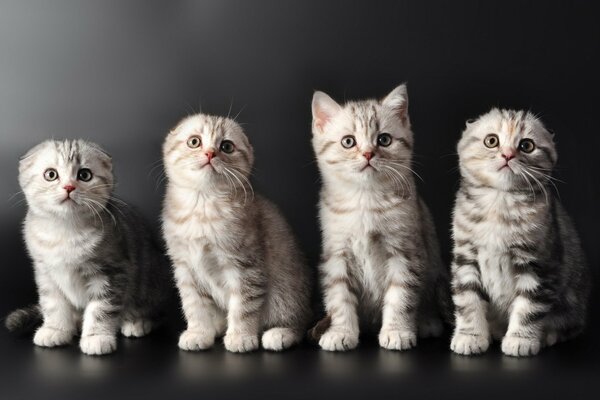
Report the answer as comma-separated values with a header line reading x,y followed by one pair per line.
x,y
122,73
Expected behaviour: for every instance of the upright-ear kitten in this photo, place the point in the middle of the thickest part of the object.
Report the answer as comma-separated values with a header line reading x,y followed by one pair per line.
x,y
381,263
519,272
96,266
237,265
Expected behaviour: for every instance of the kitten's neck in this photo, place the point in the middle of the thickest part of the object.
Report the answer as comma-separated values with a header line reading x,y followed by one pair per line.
x,y
405,189
196,196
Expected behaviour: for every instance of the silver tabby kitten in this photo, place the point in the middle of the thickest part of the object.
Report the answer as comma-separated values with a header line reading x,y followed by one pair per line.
x,y
381,263
237,265
96,266
519,272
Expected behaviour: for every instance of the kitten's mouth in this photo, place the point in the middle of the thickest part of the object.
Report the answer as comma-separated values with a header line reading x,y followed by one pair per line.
x,y
368,165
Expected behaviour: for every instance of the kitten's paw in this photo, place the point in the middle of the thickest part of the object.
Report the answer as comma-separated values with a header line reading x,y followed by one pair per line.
x,y
338,340
393,339
520,347
196,340
136,328
469,344
51,337
240,342
431,327
278,339
97,345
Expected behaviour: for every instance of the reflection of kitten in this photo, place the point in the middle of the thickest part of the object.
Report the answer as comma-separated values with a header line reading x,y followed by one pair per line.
x,y
93,256
519,272
380,252
237,265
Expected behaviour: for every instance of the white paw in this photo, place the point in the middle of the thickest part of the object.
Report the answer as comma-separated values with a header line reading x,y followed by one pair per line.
x,y
240,342
551,338
431,327
50,337
520,347
196,340
392,339
337,340
96,345
468,344
277,339
137,328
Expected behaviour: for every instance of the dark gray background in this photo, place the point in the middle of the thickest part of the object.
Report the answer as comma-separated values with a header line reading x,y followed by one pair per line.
x,y
122,73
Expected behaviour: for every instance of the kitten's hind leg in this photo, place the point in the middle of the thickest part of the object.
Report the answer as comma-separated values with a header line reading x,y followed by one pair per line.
x,y
136,327
277,339
430,326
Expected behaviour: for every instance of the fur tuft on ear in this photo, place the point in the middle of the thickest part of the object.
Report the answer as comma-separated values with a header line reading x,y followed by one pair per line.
x,y
324,108
397,100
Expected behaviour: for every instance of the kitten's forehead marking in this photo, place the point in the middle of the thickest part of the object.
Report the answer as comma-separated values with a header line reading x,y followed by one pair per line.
x,y
364,117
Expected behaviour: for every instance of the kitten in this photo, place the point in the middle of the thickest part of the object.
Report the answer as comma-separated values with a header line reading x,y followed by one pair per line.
x,y
94,259
519,272
380,252
237,265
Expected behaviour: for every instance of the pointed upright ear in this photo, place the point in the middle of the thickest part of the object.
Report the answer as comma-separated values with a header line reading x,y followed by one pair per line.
x,y
324,108
397,100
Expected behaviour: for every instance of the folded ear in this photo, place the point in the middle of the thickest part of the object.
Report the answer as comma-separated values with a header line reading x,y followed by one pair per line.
x,y
397,100
324,108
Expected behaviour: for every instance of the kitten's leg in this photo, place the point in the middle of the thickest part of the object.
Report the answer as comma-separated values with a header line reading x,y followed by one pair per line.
x,y
400,303
60,323
528,310
136,322
471,334
245,309
340,304
278,339
198,307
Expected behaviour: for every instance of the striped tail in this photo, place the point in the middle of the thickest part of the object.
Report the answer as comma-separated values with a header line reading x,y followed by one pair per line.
x,y
24,320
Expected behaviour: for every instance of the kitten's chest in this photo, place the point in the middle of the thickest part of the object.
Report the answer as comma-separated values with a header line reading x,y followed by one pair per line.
x,y
497,278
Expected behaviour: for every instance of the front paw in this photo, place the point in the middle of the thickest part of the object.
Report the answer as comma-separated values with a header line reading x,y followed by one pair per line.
x,y
393,339
196,340
520,347
469,344
97,345
338,340
240,342
51,337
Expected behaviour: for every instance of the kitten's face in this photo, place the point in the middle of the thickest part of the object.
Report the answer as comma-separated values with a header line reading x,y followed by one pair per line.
x,y
66,178
365,142
507,150
208,152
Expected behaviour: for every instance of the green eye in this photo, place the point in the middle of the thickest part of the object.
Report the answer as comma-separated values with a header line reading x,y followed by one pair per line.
x,y
348,141
491,141
526,145
194,142
227,146
384,139
50,174
84,175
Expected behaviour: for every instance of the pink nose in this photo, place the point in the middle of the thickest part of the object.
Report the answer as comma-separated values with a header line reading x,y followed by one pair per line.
x,y
508,155
209,155
368,155
69,188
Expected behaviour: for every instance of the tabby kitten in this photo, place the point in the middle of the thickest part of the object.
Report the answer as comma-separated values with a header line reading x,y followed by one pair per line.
x,y
237,265
96,266
519,272
381,262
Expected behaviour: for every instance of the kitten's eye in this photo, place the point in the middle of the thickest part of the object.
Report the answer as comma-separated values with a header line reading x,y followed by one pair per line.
x,y
50,174
491,141
384,139
526,145
227,146
84,175
194,142
348,142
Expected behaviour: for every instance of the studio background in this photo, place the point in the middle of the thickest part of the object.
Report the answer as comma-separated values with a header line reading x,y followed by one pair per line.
x,y
122,73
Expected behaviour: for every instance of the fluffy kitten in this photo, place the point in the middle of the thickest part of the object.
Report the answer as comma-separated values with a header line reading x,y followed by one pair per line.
x,y
95,262
380,253
519,272
237,266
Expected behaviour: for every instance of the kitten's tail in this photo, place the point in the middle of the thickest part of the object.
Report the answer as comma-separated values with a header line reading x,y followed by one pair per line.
x,y
24,320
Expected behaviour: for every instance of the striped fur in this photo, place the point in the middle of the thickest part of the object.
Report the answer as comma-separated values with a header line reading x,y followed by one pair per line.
x,y
97,268
237,265
518,272
381,263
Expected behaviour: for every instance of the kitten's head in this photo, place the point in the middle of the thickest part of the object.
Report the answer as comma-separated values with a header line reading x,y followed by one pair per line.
x,y
208,152
66,178
507,150
363,142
